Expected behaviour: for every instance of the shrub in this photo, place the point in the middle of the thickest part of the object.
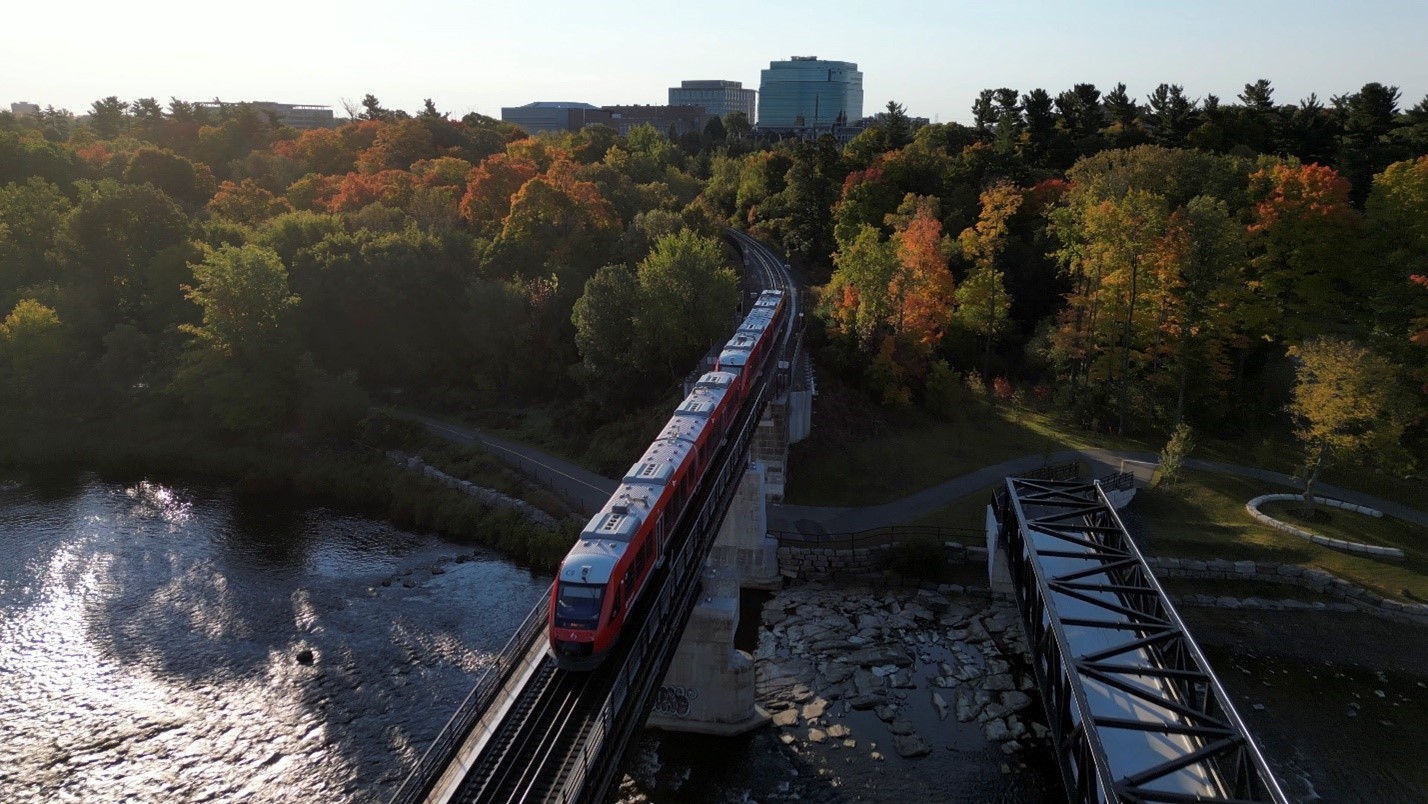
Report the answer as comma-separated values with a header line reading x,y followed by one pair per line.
x,y
917,558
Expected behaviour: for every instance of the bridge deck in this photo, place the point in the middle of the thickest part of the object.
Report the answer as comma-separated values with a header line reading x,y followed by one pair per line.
x,y
1136,713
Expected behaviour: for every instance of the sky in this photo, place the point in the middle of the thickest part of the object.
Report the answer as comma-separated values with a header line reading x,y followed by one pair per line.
x,y
474,55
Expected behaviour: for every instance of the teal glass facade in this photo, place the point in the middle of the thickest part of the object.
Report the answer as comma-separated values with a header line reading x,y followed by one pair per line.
x,y
806,91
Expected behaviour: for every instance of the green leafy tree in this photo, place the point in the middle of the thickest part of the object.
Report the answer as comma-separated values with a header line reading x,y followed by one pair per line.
x,y
108,117
688,296
35,358
1172,457
604,319
1345,407
241,365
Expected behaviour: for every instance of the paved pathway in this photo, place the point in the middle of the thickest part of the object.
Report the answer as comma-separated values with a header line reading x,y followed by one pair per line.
x,y
589,491
580,487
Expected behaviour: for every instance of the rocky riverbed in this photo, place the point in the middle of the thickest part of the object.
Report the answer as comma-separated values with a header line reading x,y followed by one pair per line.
x,y
904,693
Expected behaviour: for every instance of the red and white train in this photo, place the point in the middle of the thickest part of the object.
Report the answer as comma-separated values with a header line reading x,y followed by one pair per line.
x,y
604,573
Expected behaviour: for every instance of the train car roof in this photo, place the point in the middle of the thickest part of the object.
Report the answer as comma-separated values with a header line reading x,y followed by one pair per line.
x,y
716,379
702,400
667,452
621,516
769,298
591,561
757,321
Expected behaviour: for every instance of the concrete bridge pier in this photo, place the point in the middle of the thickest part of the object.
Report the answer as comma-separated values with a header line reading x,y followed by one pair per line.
x,y
709,688
744,546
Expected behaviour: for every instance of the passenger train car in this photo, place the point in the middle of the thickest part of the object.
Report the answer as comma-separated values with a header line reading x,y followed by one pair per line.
x,y
609,566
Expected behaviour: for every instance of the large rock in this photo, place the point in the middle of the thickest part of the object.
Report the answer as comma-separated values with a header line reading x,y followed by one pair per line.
x,y
786,718
910,746
869,700
900,726
815,710
996,731
1015,700
872,657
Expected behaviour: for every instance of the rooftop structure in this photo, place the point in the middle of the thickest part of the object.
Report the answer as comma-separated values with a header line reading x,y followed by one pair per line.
x,y
555,116
292,115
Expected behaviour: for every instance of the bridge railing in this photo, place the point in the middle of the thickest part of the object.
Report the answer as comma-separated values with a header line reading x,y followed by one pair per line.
x,y
482,696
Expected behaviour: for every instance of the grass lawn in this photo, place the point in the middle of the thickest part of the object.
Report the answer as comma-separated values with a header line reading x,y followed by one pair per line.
x,y
1205,517
1243,589
861,454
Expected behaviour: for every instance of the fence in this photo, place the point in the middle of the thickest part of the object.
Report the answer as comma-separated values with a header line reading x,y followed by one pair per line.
x,y
878,537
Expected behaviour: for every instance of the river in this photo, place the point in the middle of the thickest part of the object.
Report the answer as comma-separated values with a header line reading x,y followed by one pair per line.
x,y
152,644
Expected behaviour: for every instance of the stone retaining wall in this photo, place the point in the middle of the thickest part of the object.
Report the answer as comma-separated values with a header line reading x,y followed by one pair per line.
x,y
490,497
865,565
859,564
1315,580
1334,544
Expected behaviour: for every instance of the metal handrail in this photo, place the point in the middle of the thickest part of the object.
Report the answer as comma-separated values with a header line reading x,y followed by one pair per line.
x,y
433,763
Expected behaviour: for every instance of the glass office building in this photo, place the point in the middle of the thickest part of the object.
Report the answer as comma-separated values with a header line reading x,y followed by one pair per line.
x,y
806,91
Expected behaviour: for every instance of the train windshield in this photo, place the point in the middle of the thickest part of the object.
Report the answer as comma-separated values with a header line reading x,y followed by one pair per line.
x,y
578,605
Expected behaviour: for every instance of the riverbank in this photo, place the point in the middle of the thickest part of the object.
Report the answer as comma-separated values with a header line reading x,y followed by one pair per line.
x,y
146,443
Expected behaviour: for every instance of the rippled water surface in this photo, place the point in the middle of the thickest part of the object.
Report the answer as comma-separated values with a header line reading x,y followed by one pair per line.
x,y
150,638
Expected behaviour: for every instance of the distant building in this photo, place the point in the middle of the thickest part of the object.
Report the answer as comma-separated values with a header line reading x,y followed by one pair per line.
x,y
23,109
806,92
293,115
678,119
555,116
717,97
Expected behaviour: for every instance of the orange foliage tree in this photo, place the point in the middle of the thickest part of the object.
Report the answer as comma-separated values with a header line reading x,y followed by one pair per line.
x,y
1302,272
489,188
246,202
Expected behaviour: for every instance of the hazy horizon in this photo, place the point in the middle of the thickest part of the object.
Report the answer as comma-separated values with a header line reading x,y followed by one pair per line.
x,y
931,57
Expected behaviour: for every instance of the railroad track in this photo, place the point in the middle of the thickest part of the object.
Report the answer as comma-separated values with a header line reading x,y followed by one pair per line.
x,y
544,734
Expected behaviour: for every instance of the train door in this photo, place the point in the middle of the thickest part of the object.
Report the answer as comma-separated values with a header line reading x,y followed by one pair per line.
x,y
659,540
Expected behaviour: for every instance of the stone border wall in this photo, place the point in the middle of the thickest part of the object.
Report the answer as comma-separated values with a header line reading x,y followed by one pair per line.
x,y
1315,580
859,564
490,497
1335,544
865,565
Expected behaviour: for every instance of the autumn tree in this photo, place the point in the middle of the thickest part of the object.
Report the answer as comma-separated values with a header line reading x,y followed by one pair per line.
x,y
490,187
247,203
1345,407
856,300
921,291
1304,272
982,303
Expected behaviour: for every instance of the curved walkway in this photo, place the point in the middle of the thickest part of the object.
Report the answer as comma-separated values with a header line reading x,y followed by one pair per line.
x,y
589,491
1103,461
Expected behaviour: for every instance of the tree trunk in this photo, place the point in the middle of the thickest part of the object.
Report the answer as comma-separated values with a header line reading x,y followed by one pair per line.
x,y
991,328
1315,465
1126,349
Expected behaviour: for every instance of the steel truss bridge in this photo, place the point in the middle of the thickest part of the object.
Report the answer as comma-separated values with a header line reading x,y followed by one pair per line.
x,y
530,732
1135,712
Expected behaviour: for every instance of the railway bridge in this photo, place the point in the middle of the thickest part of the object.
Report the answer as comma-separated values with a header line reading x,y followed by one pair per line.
x,y
531,732
1135,712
